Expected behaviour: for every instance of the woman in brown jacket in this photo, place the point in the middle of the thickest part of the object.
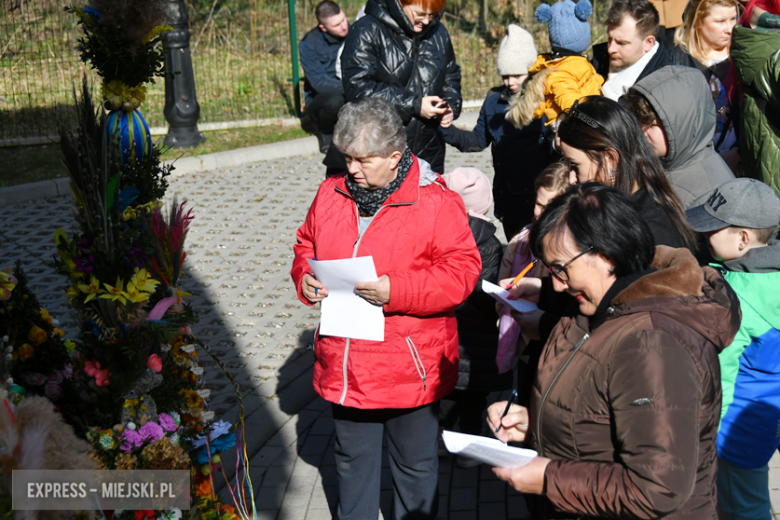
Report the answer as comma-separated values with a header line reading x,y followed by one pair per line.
x,y
626,404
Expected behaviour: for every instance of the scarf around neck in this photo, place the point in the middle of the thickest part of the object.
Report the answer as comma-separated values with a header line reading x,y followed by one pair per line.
x,y
369,201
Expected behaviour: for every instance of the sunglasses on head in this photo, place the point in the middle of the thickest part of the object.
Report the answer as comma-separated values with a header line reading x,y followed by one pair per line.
x,y
578,114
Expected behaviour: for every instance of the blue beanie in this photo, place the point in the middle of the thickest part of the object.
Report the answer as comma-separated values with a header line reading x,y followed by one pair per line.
x,y
568,24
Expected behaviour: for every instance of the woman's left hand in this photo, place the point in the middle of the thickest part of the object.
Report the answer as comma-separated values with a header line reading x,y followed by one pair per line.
x,y
447,118
375,293
528,479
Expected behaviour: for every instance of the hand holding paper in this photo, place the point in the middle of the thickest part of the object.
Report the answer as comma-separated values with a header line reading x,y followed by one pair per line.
x,y
502,295
488,451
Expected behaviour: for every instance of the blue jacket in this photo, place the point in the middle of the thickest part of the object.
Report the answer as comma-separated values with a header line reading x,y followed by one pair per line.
x,y
319,51
518,155
750,367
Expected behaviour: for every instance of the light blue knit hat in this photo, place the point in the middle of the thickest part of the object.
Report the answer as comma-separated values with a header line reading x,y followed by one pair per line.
x,y
568,24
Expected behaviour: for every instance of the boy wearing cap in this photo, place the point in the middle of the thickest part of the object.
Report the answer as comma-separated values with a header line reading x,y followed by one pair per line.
x,y
513,187
740,221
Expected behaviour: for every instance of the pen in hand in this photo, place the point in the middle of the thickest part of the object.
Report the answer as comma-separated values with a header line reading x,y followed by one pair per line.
x,y
506,410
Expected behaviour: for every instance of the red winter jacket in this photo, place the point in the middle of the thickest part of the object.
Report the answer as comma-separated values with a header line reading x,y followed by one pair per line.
x,y
421,239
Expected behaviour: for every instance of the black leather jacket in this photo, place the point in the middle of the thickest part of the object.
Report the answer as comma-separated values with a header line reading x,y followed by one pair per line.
x,y
383,56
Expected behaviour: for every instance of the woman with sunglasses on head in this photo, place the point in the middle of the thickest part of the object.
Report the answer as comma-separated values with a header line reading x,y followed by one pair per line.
x,y
626,404
400,51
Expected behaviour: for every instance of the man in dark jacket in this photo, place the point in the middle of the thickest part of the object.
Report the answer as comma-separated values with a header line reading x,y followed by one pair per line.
x,y
632,50
319,50
405,56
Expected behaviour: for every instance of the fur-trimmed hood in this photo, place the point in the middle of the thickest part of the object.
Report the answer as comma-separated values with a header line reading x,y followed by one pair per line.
x,y
698,297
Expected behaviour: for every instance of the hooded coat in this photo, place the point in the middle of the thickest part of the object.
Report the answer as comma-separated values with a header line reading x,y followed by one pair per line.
x,y
682,99
750,367
756,58
627,405
384,57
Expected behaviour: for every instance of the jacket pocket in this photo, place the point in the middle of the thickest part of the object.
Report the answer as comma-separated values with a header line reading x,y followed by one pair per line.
x,y
418,364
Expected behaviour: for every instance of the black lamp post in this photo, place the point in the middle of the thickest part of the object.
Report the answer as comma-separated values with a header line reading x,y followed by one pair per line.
x,y
181,103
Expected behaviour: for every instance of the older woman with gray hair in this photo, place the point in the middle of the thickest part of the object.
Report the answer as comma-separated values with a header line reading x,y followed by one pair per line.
x,y
393,207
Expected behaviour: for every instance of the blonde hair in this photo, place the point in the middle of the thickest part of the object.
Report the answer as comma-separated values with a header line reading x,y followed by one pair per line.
x,y
687,35
554,178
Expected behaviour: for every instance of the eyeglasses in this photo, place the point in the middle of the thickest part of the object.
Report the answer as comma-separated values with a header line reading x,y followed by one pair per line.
x,y
577,113
559,271
425,16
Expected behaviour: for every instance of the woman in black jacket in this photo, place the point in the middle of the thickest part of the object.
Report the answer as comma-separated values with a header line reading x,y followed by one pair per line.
x,y
401,52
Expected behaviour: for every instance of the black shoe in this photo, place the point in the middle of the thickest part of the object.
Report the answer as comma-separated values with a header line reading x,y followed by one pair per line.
x,y
325,140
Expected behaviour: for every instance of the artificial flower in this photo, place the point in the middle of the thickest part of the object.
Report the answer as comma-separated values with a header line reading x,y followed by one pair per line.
x,y
157,31
194,401
26,352
67,371
52,388
172,514
224,442
116,92
218,429
115,292
85,263
37,335
143,281
34,379
144,513
165,454
46,316
91,290
130,440
130,213
151,431
167,422
154,362
228,512
92,368
58,332
134,295
107,440
101,377
72,293
203,488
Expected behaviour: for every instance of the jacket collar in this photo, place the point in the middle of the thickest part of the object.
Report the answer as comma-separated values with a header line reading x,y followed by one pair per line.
x,y
419,175
332,40
391,14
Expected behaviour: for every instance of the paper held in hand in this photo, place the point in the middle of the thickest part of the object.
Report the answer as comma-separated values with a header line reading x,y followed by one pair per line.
x,y
344,313
500,295
486,450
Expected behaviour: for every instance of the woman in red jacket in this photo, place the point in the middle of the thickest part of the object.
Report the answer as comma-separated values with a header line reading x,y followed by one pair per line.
x,y
393,207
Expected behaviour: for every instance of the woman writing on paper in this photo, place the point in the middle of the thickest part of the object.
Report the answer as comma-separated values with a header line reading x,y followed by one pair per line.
x,y
393,207
626,402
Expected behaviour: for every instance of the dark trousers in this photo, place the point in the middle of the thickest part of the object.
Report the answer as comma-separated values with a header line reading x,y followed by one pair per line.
x,y
466,406
411,443
323,110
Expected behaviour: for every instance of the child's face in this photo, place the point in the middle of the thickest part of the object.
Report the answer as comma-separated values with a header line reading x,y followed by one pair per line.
x,y
724,244
543,198
514,82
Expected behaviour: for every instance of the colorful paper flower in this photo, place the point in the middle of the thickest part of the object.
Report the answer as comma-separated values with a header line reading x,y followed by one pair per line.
x,y
46,316
92,368
172,514
143,281
130,440
151,431
25,352
218,429
91,289
115,292
134,295
144,513
167,422
154,362
201,456
37,335
156,31
72,293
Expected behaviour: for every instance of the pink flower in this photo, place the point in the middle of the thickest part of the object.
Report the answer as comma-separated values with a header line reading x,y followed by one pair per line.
x,y
92,368
67,372
130,440
167,422
151,431
34,379
154,362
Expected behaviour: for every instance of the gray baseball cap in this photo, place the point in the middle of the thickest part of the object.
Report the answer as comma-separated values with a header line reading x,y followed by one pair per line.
x,y
742,202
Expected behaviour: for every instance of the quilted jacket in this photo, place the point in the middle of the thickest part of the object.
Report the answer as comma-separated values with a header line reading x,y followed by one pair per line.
x,y
627,406
383,56
421,239
755,54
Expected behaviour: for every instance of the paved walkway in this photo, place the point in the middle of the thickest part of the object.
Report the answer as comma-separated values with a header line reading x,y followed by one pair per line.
x,y
240,253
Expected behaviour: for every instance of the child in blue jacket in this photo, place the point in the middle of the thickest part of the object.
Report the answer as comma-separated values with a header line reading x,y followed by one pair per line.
x,y
518,155
740,221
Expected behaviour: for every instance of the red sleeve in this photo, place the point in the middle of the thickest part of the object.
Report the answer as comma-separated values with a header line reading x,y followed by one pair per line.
x,y
304,248
454,272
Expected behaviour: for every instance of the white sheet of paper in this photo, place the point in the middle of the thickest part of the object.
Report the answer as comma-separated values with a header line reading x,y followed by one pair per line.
x,y
486,450
344,313
500,294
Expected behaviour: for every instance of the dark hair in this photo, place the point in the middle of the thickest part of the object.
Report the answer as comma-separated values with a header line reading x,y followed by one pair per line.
x,y
762,234
602,124
326,9
645,14
600,217
638,105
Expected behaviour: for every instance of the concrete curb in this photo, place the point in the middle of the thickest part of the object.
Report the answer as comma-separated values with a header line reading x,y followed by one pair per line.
x,y
202,163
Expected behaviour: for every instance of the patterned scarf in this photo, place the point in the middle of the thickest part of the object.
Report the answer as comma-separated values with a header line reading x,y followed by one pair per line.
x,y
369,202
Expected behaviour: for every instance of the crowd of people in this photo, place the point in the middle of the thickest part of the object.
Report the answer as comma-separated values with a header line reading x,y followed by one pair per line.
x,y
638,192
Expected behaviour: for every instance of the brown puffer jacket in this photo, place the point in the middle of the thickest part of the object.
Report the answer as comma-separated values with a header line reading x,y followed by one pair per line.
x,y
628,412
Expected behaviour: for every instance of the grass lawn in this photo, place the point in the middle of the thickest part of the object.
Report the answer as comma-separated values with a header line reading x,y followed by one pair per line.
x,y
23,164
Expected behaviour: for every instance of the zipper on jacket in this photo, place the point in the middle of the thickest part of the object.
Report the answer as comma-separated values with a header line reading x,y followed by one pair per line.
x,y
418,364
549,388
354,254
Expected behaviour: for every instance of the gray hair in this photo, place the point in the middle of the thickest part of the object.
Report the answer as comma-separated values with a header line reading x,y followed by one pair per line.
x,y
370,127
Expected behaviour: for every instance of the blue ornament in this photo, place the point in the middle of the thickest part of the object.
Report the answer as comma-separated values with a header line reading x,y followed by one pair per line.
x,y
131,133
